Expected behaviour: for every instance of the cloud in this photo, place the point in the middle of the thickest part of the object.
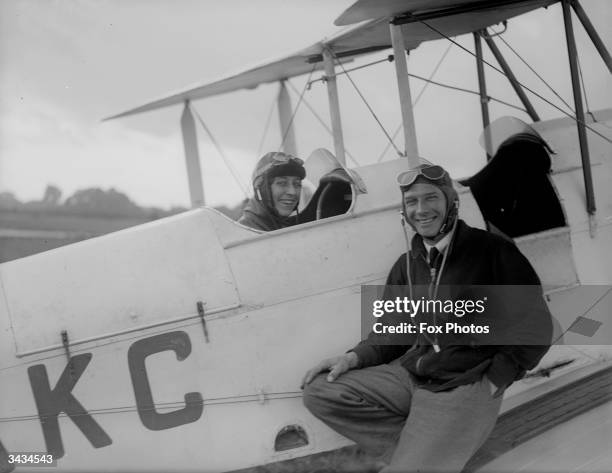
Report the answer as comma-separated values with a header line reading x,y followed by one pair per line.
x,y
42,143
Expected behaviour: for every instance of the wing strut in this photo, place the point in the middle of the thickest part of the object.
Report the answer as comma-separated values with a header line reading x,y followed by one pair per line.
x,y
482,88
192,157
511,77
590,29
411,150
334,104
580,123
285,118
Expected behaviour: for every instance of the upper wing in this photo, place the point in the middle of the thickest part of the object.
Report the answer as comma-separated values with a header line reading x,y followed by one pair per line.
x,y
363,10
451,18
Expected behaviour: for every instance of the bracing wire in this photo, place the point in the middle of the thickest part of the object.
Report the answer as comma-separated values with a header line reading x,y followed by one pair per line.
x,y
266,128
534,71
418,98
390,139
295,109
584,92
586,103
346,71
221,153
521,84
367,105
460,89
320,120
433,73
468,91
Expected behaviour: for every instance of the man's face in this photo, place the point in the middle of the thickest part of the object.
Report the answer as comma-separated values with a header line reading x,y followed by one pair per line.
x,y
425,206
285,194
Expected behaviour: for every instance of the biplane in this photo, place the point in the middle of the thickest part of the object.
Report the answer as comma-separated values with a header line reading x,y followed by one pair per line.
x,y
180,344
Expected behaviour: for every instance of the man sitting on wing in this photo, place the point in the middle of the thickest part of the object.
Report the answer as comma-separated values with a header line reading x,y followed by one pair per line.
x,y
428,404
277,183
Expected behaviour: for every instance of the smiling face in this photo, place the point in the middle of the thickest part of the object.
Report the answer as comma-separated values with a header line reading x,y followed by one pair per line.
x,y
425,206
285,194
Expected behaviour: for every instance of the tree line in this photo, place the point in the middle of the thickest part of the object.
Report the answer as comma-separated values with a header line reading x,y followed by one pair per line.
x,y
95,202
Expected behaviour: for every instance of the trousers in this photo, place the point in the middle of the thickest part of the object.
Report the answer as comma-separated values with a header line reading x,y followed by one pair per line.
x,y
411,429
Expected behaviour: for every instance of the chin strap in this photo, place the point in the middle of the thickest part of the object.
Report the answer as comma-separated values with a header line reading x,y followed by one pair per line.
x,y
451,218
408,239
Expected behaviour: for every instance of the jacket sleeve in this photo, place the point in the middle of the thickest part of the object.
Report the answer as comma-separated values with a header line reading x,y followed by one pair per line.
x,y
377,349
528,324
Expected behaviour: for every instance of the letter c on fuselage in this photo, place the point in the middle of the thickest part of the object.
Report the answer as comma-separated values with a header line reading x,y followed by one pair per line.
x,y
179,343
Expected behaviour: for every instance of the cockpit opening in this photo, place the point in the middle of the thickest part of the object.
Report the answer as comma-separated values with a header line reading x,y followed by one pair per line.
x,y
514,190
333,196
335,187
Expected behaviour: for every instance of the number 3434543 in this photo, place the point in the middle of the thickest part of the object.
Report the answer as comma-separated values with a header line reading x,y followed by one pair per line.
x,y
32,459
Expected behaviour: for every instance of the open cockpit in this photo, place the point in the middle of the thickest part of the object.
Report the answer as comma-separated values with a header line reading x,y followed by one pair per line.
x,y
333,196
514,191
518,199
335,187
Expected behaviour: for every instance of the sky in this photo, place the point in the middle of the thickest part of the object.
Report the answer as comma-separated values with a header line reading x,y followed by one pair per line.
x,y
65,65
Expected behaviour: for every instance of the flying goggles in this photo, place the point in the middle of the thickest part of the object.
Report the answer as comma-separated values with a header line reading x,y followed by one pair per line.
x,y
277,159
429,172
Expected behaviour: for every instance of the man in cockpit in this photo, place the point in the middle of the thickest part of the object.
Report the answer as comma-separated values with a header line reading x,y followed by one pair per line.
x,y
428,404
277,183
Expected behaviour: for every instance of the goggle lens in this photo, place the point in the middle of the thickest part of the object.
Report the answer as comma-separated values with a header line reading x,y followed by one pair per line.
x,y
285,158
433,173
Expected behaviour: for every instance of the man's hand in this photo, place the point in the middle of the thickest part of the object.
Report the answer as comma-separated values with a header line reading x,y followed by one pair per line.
x,y
336,366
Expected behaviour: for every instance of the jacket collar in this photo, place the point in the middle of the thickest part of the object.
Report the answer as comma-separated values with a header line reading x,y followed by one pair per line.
x,y
262,218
